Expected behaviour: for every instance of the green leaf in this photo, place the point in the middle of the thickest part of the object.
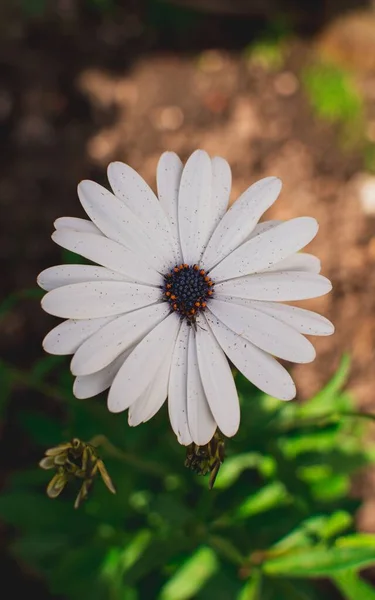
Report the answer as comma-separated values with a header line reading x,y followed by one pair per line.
x,y
353,587
335,524
235,465
315,441
268,497
357,540
332,92
320,561
320,526
227,549
13,299
328,399
120,560
45,365
252,588
44,430
191,576
332,488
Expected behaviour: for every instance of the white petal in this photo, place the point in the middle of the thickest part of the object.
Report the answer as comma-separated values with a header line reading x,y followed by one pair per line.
x,y
92,385
218,383
240,220
281,286
55,277
257,366
76,224
264,226
298,262
221,187
119,335
168,177
202,425
194,206
98,299
302,320
119,223
130,187
264,331
177,391
108,253
267,248
142,365
67,337
150,403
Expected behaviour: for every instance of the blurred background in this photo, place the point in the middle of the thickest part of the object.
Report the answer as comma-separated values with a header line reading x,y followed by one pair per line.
x,y
277,88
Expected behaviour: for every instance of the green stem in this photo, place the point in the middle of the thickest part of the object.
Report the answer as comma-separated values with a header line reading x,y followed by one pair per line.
x,y
24,378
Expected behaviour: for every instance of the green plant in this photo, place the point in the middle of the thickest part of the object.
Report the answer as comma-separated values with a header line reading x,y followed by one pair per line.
x,y
280,515
334,97
269,50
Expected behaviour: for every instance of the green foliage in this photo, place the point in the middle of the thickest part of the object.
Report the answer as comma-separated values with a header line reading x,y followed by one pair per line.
x,y
353,587
270,49
334,97
267,53
278,518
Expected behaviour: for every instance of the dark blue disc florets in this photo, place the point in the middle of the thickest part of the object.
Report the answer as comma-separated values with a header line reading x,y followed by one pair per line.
x,y
187,289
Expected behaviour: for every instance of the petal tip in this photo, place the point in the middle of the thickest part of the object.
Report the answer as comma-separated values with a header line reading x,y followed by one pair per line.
x,y
113,404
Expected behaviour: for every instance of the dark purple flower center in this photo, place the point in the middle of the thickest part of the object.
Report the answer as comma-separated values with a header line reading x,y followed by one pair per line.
x,y
187,289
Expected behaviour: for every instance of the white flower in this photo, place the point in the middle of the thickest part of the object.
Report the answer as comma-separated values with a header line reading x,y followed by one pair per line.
x,y
184,283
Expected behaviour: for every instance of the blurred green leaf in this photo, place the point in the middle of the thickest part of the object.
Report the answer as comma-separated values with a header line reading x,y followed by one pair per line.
x,y
252,588
135,549
357,540
235,465
13,299
320,561
333,93
331,488
353,587
320,440
191,576
268,497
46,365
44,430
319,527
226,548
328,400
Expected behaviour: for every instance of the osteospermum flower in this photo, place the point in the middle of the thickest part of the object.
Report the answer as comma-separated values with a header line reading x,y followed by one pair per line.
x,y
183,285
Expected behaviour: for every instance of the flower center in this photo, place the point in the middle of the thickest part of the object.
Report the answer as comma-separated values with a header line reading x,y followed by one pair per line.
x,y
187,289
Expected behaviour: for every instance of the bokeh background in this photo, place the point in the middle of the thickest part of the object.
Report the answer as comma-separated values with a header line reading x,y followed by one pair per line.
x,y
277,88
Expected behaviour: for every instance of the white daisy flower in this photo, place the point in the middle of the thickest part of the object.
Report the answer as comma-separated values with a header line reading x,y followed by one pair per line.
x,y
184,284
